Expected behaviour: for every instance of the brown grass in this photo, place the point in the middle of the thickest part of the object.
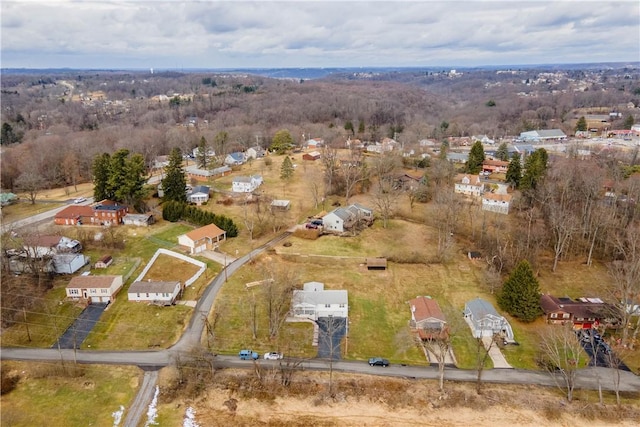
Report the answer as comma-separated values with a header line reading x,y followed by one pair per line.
x,y
376,401
168,268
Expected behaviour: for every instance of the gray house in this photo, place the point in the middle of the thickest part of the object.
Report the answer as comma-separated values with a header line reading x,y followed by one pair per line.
x,y
485,321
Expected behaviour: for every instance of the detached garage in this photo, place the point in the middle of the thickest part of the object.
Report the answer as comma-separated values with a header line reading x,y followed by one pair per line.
x,y
202,239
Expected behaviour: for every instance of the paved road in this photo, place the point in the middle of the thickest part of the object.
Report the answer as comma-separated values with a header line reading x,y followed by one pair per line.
x,y
36,219
588,378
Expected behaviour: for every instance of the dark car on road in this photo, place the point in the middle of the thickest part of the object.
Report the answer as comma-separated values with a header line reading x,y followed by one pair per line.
x,y
378,361
311,225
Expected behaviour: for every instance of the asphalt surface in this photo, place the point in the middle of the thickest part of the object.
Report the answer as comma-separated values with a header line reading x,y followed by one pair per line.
x,y
330,333
78,331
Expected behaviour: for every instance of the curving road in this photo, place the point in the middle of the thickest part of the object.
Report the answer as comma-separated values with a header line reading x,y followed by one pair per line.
x,y
151,361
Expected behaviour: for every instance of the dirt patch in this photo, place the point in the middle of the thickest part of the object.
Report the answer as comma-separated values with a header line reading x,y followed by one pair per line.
x,y
237,399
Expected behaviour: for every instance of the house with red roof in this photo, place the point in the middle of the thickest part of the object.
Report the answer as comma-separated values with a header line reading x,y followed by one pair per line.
x,y
426,317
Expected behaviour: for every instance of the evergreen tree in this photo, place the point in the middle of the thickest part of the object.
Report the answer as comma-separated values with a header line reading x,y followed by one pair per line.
x,y
348,126
202,156
581,125
514,171
535,167
117,173
628,122
476,157
131,190
520,295
174,182
361,127
282,141
286,170
502,153
100,172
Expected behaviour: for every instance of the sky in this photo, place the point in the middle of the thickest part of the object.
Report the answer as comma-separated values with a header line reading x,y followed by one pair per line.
x,y
213,34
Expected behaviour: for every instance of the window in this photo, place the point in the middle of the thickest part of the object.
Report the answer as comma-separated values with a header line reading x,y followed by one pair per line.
x,y
104,291
74,292
554,315
565,315
147,294
341,305
138,295
327,305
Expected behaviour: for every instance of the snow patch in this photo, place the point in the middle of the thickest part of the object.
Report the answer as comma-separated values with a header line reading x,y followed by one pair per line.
x,y
117,416
152,412
190,418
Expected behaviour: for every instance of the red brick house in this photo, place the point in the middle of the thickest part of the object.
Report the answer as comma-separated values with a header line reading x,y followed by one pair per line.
x,y
105,212
74,215
584,313
495,166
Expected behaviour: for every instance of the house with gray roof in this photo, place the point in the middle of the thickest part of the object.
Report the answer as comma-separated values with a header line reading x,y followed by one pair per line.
x,y
314,302
340,219
485,321
160,293
198,195
234,159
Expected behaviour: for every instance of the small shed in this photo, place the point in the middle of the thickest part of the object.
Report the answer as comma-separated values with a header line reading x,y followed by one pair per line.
x,y
280,205
376,263
104,262
141,220
313,155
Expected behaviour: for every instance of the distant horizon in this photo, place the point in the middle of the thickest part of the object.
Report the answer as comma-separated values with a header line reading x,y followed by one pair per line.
x,y
445,67
221,34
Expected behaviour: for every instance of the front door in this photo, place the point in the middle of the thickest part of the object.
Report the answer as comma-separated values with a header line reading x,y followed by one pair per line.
x,y
84,293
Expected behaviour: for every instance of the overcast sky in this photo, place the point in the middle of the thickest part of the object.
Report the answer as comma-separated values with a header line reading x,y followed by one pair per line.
x,y
265,34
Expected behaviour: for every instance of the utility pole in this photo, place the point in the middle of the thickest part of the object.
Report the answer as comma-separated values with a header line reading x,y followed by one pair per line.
x,y
24,314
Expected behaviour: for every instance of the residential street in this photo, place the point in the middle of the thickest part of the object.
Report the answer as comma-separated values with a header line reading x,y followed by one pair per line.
x,y
589,378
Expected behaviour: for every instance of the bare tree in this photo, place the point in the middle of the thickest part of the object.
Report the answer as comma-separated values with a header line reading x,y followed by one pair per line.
x,y
625,272
277,292
560,352
438,343
330,164
482,356
31,182
353,171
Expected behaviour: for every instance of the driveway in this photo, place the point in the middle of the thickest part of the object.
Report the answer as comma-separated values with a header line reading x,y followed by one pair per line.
x,y
495,354
331,330
219,257
78,331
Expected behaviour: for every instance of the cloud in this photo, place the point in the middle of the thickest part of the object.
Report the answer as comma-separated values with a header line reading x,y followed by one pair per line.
x,y
162,34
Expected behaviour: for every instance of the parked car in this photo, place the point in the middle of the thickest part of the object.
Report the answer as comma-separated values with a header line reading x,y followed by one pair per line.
x,y
248,355
311,225
317,222
378,361
80,200
272,356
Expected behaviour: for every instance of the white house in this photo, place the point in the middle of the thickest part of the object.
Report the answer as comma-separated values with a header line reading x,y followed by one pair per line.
x,y
202,239
141,220
342,219
471,185
161,293
256,152
198,195
39,246
485,321
94,288
69,263
314,302
246,184
234,159
484,139
494,202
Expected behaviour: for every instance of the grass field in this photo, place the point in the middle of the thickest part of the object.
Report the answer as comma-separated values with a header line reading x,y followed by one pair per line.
x,y
79,395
